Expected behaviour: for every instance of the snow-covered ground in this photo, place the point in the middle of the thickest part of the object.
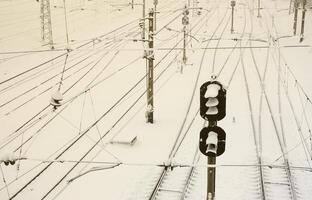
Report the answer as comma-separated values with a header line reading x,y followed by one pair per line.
x,y
71,152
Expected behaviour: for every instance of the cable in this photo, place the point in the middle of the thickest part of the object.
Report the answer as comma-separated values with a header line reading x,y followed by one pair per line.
x,y
218,42
84,44
286,162
26,91
98,130
62,75
173,149
102,136
5,183
82,76
37,86
163,164
84,132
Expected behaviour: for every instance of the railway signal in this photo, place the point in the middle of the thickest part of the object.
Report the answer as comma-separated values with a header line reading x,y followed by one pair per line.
x,y
212,138
212,141
212,101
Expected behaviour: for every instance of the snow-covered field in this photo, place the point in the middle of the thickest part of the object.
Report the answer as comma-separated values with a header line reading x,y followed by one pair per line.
x,y
77,151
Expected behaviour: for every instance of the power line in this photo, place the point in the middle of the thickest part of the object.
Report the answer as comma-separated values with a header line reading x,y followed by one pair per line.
x,y
163,164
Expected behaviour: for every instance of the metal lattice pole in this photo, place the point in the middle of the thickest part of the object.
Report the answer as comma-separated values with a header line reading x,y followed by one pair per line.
x,y
185,22
46,25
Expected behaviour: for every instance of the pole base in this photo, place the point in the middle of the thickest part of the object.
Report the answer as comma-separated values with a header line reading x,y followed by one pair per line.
x,y
149,117
301,38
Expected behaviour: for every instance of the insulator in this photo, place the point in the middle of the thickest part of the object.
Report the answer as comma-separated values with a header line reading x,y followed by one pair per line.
x,y
56,99
141,24
185,20
186,12
57,96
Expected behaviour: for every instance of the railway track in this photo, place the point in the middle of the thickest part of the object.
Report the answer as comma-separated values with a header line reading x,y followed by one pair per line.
x,y
77,140
276,183
172,181
176,183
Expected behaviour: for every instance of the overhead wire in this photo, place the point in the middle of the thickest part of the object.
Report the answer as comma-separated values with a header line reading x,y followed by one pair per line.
x,y
217,45
27,91
173,148
109,43
98,129
81,77
78,138
280,140
257,139
197,112
277,64
78,80
308,153
64,54
44,82
305,117
99,140
46,90
5,182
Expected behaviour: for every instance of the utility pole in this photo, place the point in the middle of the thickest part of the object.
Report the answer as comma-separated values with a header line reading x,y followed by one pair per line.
x,y
150,68
185,22
155,8
46,25
296,5
259,9
232,21
132,4
304,2
143,18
